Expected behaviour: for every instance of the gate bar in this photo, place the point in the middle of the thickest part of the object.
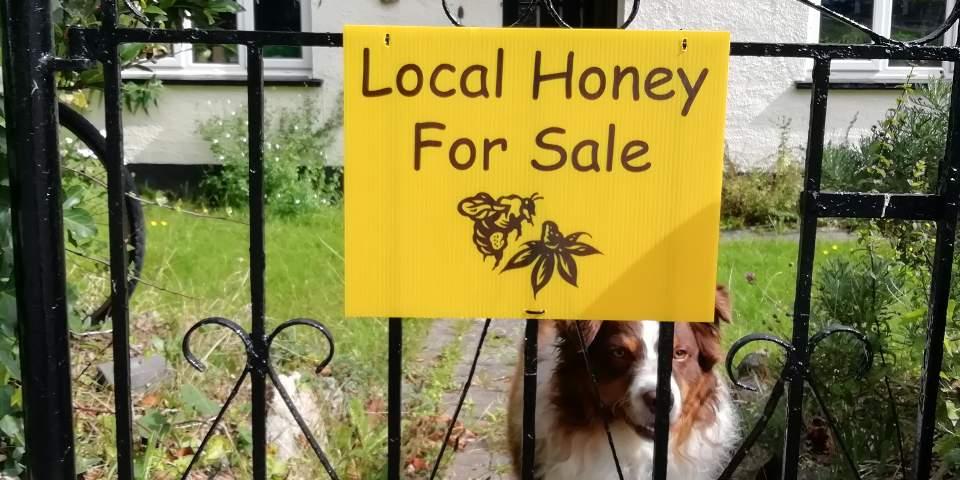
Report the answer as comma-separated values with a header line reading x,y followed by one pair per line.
x,y
335,39
664,405
949,190
37,221
116,206
804,282
529,441
394,396
258,335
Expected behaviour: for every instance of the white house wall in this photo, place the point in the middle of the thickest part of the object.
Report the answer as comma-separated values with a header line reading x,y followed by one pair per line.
x,y
762,91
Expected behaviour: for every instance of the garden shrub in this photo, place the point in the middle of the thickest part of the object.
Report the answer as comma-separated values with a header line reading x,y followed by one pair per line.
x,y
882,290
80,231
876,413
296,177
765,198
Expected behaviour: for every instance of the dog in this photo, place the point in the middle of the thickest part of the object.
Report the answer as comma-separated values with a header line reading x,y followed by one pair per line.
x,y
571,442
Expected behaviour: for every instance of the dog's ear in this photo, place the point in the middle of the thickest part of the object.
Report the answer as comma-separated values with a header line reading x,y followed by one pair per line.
x,y
722,311
708,334
567,330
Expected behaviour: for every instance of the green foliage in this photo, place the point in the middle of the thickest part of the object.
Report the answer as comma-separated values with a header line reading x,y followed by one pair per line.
x,y
159,14
902,151
763,198
79,230
882,289
860,290
295,146
80,227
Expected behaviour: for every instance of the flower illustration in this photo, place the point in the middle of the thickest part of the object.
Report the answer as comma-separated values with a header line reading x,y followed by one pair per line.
x,y
553,252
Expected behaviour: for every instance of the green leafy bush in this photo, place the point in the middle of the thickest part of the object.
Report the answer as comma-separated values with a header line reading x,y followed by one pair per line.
x,y
882,290
765,198
295,175
862,290
80,230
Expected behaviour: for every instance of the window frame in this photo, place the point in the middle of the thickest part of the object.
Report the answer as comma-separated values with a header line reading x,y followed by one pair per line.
x,y
879,71
180,65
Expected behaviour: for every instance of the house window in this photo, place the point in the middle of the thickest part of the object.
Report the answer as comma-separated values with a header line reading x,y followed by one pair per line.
x,y
897,19
578,13
228,62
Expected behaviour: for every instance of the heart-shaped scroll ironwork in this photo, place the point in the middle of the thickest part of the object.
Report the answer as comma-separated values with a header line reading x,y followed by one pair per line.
x,y
259,361
794,371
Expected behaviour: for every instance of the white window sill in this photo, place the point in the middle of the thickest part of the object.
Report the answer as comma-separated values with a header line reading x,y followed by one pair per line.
x,y
224,75
879,79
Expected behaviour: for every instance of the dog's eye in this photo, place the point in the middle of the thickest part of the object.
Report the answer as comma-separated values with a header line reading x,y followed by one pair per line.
x,y
680,354
618,352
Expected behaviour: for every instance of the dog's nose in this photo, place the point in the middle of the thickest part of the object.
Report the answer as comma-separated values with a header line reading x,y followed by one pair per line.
x,y
650,400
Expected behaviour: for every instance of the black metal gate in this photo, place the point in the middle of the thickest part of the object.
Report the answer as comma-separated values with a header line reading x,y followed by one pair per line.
x,y
29,68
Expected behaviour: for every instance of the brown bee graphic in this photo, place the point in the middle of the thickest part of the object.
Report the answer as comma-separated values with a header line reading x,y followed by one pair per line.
x,y
494,220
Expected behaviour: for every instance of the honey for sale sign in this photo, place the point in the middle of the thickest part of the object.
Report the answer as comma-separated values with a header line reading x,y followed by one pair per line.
x,y
533,173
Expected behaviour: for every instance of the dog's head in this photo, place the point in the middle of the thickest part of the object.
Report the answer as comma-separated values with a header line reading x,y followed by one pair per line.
x,y
623,359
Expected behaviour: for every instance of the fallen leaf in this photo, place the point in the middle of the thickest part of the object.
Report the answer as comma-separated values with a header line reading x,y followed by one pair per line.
x,y
150,401
181,452
416,464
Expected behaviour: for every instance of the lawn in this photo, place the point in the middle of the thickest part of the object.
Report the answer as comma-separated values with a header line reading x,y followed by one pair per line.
x,y
198,267
760,271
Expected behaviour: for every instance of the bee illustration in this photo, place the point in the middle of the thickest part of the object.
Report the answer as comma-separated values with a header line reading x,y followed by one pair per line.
x,y
494,220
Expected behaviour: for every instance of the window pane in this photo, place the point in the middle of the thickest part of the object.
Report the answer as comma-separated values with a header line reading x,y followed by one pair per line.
x,y
913,19
278,16
218,53
835,31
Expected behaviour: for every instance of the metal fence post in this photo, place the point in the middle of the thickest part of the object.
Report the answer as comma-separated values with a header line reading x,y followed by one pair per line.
x,y
806,254
37,215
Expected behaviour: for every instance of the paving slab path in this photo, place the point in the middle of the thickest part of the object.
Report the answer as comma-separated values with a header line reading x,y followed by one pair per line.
x,y
484,411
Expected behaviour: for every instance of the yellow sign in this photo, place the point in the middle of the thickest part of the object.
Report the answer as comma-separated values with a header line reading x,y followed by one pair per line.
x,y
545,173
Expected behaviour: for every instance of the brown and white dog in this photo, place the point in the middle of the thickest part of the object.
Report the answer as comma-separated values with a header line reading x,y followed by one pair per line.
x,y
571,441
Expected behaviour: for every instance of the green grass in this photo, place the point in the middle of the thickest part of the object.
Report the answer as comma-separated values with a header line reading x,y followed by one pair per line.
x,y
199,267
761,275
208,260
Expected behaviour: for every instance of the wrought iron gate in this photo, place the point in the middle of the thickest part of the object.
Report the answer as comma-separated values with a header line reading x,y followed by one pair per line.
x,y
29,68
